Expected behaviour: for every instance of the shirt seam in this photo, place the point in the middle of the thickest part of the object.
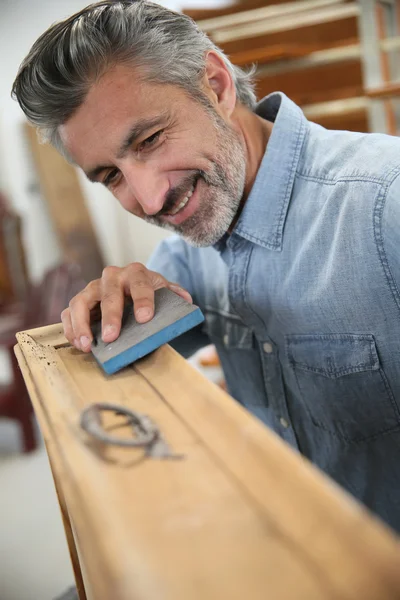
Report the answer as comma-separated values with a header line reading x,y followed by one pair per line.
x,y
359,178
379,237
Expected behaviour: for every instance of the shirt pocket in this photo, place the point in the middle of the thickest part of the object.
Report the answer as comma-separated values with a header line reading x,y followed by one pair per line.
x,y
342,384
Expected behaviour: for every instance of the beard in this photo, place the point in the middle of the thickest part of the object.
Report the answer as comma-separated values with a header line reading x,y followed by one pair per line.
x,y
221,189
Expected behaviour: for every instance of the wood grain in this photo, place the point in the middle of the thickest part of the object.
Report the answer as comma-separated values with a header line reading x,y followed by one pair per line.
x,y
274,12
210,13
326,14
56,469
330,82
239,516
323,36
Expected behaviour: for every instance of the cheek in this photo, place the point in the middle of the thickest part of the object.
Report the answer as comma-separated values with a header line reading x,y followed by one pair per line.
x,y
192,149
128,202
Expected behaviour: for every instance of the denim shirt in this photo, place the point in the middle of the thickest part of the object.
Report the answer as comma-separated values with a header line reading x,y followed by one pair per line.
x,y
302,300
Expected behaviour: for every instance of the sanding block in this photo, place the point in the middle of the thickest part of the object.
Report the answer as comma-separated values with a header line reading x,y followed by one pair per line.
x,y
173,316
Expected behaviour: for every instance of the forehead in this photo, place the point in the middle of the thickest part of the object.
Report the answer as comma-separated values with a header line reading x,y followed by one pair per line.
x,y
118,98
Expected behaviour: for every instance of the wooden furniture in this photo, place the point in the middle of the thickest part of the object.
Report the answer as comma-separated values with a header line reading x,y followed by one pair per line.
x,y
14,399
328,56
42,305
233,513
13,272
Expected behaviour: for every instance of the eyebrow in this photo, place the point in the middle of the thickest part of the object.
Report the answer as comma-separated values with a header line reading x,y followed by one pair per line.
x,y
137,130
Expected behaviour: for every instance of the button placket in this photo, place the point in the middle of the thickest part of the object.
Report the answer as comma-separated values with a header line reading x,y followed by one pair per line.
x,y
275,389
272,375
283,422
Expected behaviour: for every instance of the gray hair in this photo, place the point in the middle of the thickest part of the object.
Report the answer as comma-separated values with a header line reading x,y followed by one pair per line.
x,y
168,47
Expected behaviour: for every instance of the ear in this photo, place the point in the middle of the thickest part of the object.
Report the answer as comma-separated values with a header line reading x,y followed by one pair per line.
x,y
219,83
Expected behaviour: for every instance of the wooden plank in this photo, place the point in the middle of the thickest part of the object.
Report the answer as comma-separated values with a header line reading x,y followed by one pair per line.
x,y
310,58
264,12
62,192
199,14
322,83
56,469
356,120
388,104
327,14
324,36
388,90
349,114
338,107
270,54
226,521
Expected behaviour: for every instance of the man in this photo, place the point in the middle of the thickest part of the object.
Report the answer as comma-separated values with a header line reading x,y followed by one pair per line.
x,y
288,233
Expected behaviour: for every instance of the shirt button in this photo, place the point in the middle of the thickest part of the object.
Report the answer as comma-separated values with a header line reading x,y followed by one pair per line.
x,y
268,348
226,339
284,423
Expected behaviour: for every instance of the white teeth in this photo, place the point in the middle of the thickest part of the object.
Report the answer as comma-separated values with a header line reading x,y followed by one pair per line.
x,y
183,203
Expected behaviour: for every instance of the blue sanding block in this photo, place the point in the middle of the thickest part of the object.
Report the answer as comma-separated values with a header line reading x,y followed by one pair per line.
x,y
173,316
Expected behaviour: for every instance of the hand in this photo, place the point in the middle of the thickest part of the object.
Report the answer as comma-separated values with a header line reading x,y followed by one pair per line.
x,y
108,294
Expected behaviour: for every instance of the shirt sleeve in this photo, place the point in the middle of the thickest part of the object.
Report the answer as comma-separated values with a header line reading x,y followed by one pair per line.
x,y
171,259
389,239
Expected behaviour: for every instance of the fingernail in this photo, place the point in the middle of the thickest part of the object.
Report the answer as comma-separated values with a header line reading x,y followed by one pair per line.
x,y
85,341
77,344
108,331
143,313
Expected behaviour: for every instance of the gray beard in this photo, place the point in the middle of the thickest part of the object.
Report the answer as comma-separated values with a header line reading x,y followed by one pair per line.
x,y
221,192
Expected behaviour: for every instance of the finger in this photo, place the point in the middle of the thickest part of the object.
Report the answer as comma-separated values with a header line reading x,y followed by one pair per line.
x,y
112,303
158,281
79,310
67,326
141,289
175,287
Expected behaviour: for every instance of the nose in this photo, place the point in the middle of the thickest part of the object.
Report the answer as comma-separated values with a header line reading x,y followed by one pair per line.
x,y
148,185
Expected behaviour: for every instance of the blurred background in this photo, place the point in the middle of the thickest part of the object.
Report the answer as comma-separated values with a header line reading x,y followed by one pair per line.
x,y
338,59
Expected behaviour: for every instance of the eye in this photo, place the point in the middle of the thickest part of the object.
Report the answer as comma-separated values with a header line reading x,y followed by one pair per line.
x,y
111,177
150,141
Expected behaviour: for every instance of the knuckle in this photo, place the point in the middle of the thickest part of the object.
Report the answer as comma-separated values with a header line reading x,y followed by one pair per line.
x,y
74,301
91,287
136,267
110,271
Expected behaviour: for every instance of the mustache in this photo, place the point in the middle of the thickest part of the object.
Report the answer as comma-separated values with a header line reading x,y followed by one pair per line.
x,y
179,192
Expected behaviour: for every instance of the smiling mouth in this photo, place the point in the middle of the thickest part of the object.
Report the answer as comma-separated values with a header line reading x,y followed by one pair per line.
x,y
183,202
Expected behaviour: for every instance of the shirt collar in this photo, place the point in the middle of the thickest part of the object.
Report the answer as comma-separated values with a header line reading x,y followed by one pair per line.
x,y
263,217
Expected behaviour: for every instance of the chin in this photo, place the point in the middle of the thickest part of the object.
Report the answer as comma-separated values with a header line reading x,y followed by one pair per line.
x,y
202,241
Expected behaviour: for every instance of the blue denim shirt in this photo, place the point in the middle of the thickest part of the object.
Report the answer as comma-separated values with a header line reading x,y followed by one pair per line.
x,y
302,301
